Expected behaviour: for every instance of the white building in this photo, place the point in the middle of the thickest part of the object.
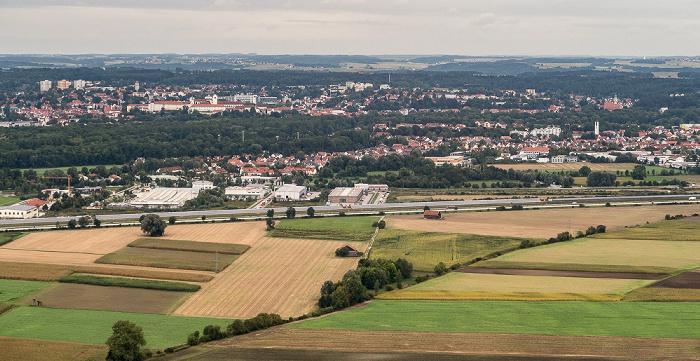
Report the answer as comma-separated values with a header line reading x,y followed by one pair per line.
x,y
44,85
22,211
164,198
549,131
79,84
201,185
246,98
290,192
255,191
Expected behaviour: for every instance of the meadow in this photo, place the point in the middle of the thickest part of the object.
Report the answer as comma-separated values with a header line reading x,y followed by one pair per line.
x,y
426,249
627,319
613,255
7,237
8,201
94,327
351,229
13,290
687,229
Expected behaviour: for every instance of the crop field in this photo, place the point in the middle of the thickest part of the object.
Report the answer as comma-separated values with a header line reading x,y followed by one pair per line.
x,y
52,272
94,327
541,223
89,297
426,249
687,229
176,245
351,229
80,241
14,290
161,258
130,283
7,237
457,281
627,319
604,253
27,349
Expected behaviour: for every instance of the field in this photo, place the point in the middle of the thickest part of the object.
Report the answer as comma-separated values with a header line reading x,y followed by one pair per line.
x,y
626,319
12,290
161,258
687,229
426,249
658,294
604,253
351,229
176,245
541,223
8,201
88,297
303,344
457,281
95,327
27,349
52,272
7,237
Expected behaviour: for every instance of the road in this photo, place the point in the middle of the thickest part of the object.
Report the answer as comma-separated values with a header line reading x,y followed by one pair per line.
x,y
360,207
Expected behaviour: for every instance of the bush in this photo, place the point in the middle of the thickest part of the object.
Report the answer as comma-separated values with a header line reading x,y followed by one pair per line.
x,y
172,220
193,339
526,244
600,229
72,223
381,224
455,266
607,204
440,269
591,230
388,288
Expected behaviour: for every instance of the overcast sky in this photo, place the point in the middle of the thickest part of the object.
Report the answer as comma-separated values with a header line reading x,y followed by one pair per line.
x,y
372,27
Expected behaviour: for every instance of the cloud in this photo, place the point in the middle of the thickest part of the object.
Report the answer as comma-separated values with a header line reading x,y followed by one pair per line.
x,y
484,19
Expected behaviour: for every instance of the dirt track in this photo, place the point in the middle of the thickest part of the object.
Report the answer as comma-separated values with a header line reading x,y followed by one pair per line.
x,y
689,279
527,272
470,344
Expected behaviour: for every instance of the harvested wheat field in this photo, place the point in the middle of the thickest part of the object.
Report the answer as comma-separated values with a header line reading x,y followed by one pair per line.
x,y
541,223
276,275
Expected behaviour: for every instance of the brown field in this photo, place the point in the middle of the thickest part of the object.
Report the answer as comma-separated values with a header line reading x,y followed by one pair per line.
x,y
176,245
14,349
277,275
684,280
660,294
622,348
89,297
52,272
541,223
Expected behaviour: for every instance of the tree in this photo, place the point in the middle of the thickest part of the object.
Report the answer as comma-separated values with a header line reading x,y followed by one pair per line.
x,y
96,222
639,172
153,225
72,223
584,171
172,220
290,212
270,213
440,269
125,342
270,224
83,222
310,212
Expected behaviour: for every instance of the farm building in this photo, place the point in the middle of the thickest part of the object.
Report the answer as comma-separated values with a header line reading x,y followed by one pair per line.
x,y
345,195
428,214
346,251
290,192
19,211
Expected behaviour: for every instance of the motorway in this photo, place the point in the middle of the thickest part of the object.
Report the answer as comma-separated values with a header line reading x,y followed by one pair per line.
x,y
362,207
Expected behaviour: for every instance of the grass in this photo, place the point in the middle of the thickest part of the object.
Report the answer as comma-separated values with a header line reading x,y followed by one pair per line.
x,y
175,245
411,294
131,283
8,201
457,281
627,319
426,249
147,257
674,230
606,252
575,267
28,349
14,290
658,294
7,237
94,327
350,229
4,307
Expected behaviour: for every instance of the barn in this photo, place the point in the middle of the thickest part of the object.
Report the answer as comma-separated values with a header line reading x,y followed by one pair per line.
x,y
428,214
346,251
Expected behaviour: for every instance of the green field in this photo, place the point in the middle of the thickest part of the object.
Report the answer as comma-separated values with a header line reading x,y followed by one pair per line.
x,y
8,201
13,290
95,327
161,258
7,237
426,249
40,171
350,229
175,245
457,281
675,230
608,255
627,319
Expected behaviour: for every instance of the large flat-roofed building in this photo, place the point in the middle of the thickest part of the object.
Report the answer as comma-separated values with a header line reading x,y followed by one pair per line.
x,y
372,187
290,192
164,198
22,211
345,195
255,191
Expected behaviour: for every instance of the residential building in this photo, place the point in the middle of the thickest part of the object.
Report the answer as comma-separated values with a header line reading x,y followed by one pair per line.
x,y
44,85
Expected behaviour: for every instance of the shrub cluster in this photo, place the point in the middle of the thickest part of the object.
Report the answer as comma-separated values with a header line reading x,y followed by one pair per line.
x,y
237,327
566,236
677,216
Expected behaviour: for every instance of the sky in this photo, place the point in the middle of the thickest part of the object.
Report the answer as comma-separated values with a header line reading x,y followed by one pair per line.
x,y
367,27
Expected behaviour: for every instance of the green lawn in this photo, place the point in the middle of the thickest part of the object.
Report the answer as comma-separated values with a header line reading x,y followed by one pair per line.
x,y
14,290
675,230
95,327
426,249
626,319
8,201
351,229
